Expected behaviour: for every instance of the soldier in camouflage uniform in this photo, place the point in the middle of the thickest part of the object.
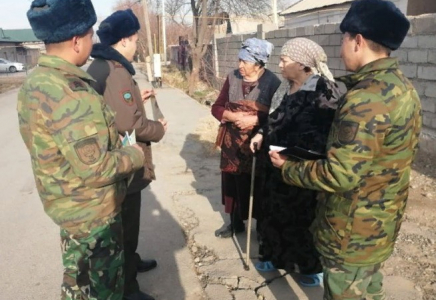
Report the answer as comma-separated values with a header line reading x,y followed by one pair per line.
x,y
79,166
370,149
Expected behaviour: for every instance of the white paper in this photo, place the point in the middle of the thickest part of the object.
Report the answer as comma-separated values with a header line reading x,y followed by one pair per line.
x,y
132,137
276,148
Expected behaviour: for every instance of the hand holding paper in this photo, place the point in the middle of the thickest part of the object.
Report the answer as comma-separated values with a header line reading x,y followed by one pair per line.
x,y
129,139
298,152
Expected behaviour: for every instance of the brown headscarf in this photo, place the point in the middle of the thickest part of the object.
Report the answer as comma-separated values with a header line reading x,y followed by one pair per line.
x,y
309,54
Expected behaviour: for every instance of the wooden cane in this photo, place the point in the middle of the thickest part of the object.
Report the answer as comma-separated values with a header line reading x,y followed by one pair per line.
x,y
250,210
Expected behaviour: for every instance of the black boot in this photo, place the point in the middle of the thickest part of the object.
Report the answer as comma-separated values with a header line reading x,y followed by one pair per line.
x,y
145,265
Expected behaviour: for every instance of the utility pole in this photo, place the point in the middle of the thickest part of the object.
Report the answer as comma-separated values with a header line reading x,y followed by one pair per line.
x,y
275,18
149,40
164,36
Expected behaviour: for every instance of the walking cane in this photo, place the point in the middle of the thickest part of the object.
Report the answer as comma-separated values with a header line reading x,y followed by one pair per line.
x,y
250,210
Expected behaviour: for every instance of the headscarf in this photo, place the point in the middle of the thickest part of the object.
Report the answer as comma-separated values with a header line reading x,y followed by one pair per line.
x,y
256,51
309,54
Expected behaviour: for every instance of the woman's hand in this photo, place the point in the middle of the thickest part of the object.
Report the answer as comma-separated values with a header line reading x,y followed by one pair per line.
x,y
258,138
277,159
229,116
246,122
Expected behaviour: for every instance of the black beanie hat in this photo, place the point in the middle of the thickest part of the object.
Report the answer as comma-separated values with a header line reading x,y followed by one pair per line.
x,y
120,24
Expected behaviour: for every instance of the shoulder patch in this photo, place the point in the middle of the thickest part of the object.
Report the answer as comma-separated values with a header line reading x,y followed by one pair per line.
x,y
347,132
76,85
127,97
88,150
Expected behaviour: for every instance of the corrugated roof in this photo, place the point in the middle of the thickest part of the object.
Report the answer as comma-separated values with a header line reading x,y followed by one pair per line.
x,y
8,40
304,5
291,4
19,35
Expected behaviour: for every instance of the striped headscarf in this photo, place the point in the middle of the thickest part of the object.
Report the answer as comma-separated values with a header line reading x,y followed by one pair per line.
x,y
309,54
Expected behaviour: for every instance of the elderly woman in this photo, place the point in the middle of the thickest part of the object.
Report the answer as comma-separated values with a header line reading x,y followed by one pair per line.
x,y
302,119
242,107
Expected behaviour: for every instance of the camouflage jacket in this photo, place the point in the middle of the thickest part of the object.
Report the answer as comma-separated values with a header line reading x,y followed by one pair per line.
x,y
371,145
74,146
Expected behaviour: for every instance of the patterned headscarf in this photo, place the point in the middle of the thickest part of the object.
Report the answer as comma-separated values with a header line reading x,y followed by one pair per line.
x,y
309,54
256,51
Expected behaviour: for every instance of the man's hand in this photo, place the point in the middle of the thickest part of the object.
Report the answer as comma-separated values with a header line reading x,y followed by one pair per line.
x,y
164,124
277,159
258,138
146,94
136,146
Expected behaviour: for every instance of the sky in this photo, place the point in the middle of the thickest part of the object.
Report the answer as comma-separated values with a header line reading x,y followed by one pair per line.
x,y
13,12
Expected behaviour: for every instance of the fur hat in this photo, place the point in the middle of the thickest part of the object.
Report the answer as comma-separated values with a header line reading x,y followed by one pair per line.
x,y
55,21
120,24
377,20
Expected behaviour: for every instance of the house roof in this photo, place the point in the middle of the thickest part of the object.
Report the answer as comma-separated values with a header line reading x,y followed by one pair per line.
x,y
21,35
305,5
17,35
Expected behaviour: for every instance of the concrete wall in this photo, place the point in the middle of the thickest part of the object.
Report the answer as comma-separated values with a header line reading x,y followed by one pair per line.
x,y
417,7
417,57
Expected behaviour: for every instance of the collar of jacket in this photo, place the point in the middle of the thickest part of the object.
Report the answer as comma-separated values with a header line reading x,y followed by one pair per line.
x,y
383,64
108,53
56,62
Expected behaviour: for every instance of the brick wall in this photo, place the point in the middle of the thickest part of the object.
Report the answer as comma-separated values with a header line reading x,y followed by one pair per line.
x,y
417,58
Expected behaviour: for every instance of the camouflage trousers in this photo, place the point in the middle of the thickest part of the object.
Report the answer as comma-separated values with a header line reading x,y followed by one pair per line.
x,y
343,282
93,264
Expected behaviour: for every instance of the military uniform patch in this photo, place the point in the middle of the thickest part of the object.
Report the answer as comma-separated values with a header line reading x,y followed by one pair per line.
x,y
347,132
88,150
127,97
76,85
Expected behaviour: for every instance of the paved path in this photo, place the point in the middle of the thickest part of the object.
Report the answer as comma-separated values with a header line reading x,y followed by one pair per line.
x,y
180,213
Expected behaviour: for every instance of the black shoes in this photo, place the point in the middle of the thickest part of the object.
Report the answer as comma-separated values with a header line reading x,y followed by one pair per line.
x,y
138,296
145,265
227,232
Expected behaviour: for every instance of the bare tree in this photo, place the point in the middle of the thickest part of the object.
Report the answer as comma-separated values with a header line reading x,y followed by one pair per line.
x,y
206,14
136,7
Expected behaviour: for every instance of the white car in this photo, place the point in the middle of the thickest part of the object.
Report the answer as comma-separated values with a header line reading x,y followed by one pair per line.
x,y
9,66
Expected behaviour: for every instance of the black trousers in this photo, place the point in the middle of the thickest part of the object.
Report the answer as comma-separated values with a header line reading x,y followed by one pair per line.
x,y
131,212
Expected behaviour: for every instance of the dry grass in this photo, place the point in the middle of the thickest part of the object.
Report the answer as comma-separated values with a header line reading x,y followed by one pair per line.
x,y
176,78
9,83
206,133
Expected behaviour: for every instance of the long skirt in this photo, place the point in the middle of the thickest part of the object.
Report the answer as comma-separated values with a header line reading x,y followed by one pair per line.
x,y
287,213
236,193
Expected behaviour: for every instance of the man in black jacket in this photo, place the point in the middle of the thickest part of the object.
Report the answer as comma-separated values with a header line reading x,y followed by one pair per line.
x,y
113,72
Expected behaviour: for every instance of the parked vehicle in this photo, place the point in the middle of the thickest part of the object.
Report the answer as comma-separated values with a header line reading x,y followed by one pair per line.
x,y
10,66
